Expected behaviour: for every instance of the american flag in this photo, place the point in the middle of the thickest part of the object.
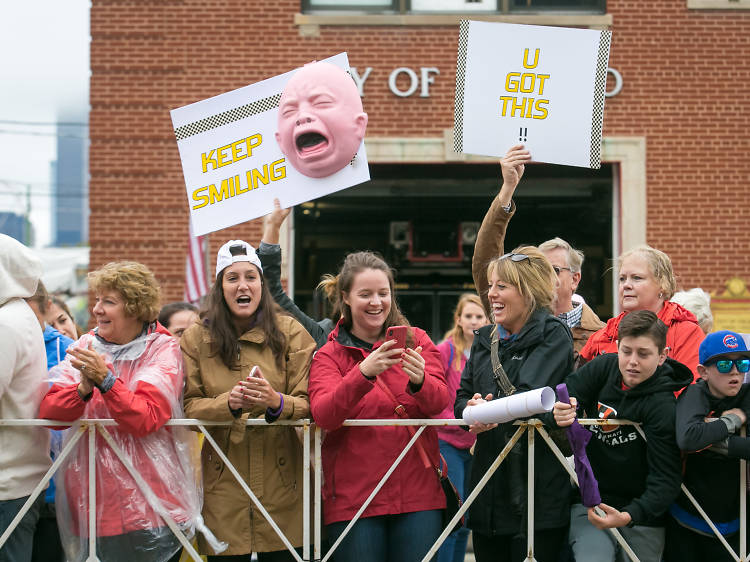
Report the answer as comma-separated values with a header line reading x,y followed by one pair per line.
x,y
196,284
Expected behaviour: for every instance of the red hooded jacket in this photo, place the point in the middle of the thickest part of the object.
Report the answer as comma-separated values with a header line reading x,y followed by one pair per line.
x,y
684,336
356,458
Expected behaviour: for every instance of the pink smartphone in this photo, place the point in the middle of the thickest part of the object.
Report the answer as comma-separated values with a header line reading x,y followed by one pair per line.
x,y
397,333
253,372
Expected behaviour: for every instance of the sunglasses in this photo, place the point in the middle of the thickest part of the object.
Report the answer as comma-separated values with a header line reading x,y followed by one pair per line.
x,y
515,257
559,269
724,366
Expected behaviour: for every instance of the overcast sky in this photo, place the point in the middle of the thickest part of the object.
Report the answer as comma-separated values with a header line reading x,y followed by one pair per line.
x,y
44,72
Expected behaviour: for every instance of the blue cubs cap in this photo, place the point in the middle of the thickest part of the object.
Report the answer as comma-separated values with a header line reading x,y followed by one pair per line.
x,y
720,343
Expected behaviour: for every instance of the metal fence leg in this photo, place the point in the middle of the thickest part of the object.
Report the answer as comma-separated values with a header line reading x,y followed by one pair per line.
x,y
306,491
530,497
318,501
92,494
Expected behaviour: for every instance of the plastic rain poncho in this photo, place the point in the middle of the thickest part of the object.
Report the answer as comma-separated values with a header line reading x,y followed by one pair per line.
x,y
146,394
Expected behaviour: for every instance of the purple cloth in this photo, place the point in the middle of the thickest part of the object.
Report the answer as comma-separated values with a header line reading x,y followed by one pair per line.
x,y
578,437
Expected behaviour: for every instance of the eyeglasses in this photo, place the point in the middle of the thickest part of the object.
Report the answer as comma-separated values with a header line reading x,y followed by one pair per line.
x,y
515,257
724,366
559,269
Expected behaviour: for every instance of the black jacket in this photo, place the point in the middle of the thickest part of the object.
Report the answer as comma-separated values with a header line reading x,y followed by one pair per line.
x,y
541,355
642,478
711,477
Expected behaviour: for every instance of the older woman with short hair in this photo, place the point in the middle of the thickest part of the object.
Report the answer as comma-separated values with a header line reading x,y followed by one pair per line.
x,y
646,281
128,368
534,349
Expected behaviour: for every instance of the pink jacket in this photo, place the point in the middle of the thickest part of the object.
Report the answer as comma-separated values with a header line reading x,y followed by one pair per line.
x,y
452,434
356,458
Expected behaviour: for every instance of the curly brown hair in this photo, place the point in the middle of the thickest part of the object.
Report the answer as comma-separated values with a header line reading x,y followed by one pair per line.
x,y
134,282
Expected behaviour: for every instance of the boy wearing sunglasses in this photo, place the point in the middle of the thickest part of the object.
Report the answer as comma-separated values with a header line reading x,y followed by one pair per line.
x,y
710,414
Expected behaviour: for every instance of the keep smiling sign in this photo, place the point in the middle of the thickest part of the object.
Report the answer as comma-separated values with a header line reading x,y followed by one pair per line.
x,y
296,137
534,85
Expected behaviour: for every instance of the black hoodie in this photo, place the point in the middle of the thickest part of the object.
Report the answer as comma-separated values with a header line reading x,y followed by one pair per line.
x,y
712,478
642,478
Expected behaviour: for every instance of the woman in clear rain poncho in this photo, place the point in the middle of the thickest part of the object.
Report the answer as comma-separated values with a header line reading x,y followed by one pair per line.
x,y
128,368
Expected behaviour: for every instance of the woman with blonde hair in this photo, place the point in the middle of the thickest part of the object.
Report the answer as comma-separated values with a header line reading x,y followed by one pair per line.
x,y
526,348
454,441
360,373
646,281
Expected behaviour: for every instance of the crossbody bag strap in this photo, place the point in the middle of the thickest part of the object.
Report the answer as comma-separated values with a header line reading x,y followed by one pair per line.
x,y
499,374
401,412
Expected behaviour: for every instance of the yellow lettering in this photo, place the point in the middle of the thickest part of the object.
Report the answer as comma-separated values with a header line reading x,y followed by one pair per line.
x,y
526,59
515,105
505,99
512,85
542,78
219,195
278,171
203,198
208,158
236,151
221,157
252,142
529,106
540,105
262,177
240,191
530,88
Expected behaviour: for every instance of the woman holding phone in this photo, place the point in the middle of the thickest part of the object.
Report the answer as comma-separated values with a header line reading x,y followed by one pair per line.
x,y
247,360
360,373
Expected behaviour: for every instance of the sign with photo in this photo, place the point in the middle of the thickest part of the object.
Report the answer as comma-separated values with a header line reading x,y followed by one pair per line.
x,y
296,137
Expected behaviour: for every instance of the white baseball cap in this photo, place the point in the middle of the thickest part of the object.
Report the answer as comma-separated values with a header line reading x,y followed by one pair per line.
x,y
234,251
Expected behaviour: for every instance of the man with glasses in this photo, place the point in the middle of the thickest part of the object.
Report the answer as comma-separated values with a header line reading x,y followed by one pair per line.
x,y
710,414
565,260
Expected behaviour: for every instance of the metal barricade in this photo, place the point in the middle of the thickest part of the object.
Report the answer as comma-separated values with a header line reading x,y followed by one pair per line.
x,y
531,427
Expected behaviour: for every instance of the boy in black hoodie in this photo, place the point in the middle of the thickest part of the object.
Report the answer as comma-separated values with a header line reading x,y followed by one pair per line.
x,y
710,414
638,479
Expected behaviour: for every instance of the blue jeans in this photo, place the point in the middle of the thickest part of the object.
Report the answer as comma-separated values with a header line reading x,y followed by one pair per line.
x,y
405,537
459,471
19,544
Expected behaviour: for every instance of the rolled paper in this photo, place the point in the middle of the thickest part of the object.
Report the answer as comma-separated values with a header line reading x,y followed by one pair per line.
x,y
522,405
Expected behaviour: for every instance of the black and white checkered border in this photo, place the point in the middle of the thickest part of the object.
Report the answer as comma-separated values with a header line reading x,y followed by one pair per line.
x,y
225,117
605,39
458,109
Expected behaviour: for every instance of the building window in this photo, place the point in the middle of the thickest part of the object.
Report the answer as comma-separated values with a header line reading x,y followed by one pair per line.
x,y
448,6
718,4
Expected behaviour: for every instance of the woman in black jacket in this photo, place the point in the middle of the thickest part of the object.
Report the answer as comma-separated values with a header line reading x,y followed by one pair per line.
x,y
535,349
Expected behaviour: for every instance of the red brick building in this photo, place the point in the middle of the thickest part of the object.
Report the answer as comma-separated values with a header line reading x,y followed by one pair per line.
x,y
676,137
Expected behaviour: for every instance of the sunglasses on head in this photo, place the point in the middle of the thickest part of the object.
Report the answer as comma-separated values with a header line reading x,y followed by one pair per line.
x,y
724,366
514,257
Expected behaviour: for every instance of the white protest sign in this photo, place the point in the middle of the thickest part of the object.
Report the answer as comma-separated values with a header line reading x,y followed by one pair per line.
x,y
539,86
232,164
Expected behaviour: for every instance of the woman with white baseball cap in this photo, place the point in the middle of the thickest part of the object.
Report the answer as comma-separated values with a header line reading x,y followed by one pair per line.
x,y
247,359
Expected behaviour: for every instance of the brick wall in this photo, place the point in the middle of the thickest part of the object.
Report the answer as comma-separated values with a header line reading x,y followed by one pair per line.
x,y
684,76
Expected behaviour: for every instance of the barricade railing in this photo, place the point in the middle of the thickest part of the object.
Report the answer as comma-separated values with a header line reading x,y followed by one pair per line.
x,y
91,426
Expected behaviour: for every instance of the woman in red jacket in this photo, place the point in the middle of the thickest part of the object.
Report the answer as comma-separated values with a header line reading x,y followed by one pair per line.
x,y
128,368
359,374
646,282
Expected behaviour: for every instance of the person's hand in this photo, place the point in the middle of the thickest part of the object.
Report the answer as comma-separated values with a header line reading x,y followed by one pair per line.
x,y
272,222
737,412
565,413
413,363
513,165
260,392
611,519
479,427
381,359
92,365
